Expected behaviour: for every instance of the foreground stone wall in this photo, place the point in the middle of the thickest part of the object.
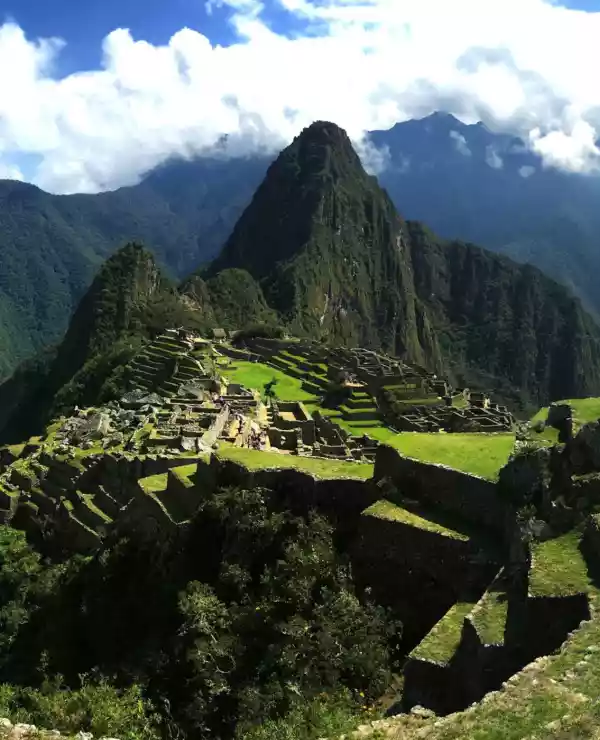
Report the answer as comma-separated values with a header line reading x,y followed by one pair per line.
x,y
341,499
404,565
474,499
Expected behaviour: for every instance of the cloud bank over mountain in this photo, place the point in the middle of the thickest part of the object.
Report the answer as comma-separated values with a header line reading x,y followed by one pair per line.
x,y
526,67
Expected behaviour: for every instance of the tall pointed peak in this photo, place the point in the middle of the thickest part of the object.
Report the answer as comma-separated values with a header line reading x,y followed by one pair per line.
x,y
315,184
323,147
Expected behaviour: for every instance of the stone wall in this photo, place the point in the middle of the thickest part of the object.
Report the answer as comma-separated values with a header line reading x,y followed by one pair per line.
x,y
431,685
474,499
539,626
342,499
404,565
216,429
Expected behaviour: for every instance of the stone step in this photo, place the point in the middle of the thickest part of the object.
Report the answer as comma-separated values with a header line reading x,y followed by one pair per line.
x,y
146,375
354,404
78,535
146,363
441,642
489,614
89,513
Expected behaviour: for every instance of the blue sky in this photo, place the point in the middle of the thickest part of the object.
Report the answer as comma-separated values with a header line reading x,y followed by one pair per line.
x,y
364,64
83,24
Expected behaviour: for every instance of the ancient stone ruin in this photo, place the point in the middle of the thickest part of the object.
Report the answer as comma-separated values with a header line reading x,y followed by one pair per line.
x,y
462,561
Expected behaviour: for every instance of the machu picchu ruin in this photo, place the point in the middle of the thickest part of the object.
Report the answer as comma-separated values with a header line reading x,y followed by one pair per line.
x,y
302,488
499,564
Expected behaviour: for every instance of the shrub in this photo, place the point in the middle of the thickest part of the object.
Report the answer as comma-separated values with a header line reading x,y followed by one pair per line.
x,y
97,707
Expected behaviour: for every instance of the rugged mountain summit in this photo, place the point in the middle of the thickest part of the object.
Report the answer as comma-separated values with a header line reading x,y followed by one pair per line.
x,y
333,258
327,248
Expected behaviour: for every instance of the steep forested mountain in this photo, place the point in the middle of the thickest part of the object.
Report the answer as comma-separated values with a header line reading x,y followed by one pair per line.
x,y
52,246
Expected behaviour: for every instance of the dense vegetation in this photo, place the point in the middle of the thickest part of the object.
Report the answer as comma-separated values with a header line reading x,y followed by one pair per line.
x,y
247,616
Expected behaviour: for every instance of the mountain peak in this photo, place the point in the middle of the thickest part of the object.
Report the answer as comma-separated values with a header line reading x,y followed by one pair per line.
x,y
326,132
323,148
295,198
326,247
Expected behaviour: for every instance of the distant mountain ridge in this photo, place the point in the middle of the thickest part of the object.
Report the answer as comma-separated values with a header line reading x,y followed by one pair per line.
x,y
52,246
322,251
469,183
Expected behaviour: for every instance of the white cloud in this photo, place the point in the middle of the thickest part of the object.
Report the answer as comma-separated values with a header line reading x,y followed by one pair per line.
x,y
526,171
574,149
374,159
365,64
493,159
460,143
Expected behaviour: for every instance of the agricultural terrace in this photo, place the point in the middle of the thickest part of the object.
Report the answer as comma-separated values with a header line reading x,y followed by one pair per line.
x,y
555,697
478,454
585,410
558,567
391,512
319,467
443,640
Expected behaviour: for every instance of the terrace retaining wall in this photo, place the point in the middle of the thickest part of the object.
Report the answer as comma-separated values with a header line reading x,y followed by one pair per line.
x,y
473,498
404,565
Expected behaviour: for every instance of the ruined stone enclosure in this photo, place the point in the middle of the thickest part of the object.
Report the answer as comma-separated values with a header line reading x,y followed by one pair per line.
x,y
443,548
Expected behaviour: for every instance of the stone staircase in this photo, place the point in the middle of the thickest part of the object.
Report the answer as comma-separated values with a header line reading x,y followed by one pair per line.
x,y
523,614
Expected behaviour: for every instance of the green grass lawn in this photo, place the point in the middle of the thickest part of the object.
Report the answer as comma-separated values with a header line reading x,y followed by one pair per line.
x,y
387,510
441,643
489,616
183,473
320,467
16,450
479,454
153,483
584,410
256,375
558,568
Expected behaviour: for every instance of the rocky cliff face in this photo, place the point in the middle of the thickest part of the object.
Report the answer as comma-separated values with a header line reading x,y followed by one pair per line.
x,y
502,325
